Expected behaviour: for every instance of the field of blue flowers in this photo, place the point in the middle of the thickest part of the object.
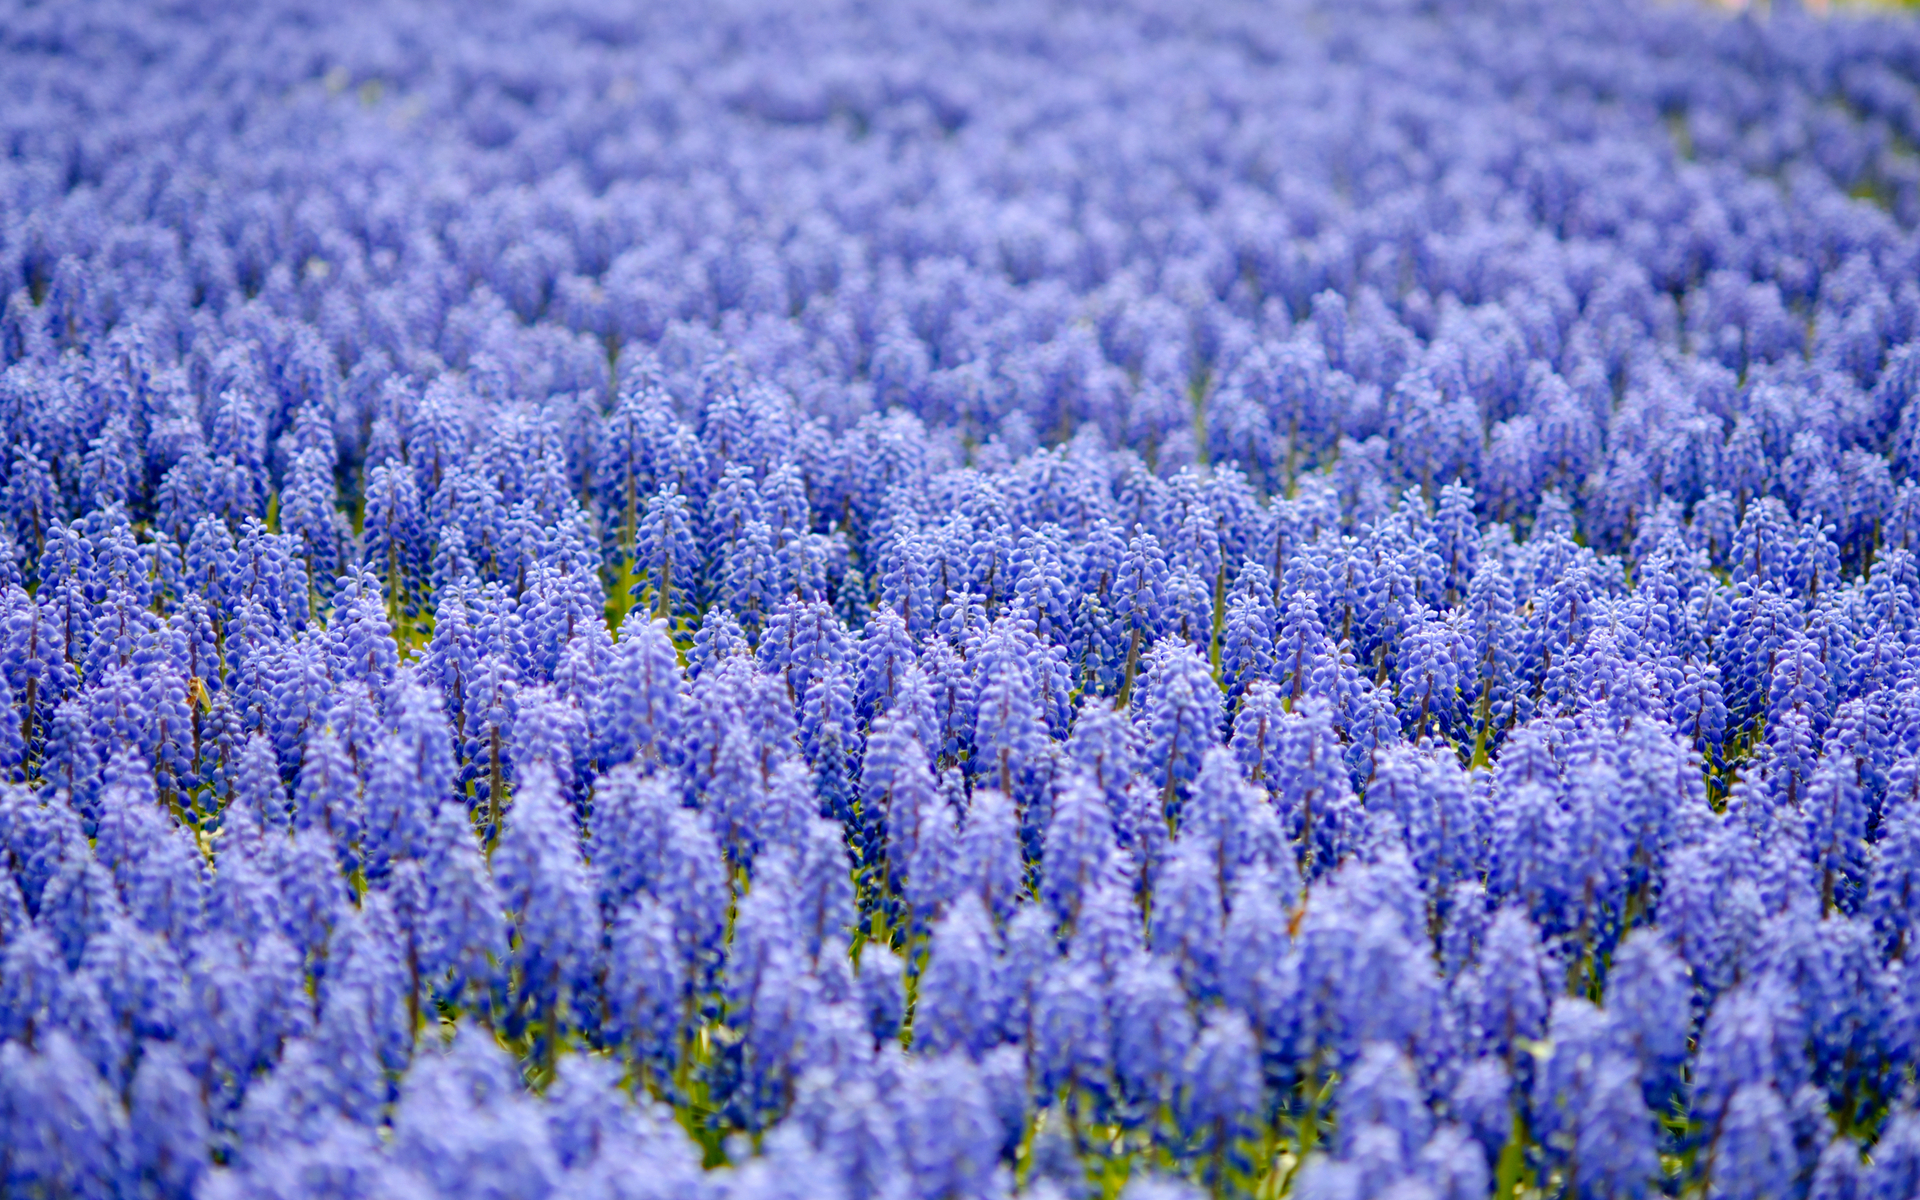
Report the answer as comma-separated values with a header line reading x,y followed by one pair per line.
x,y
951,599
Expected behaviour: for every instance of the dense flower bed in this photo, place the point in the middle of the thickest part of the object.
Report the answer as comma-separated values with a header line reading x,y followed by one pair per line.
x,y
908,600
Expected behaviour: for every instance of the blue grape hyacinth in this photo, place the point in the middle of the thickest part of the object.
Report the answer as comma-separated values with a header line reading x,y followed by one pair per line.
x,y
881,602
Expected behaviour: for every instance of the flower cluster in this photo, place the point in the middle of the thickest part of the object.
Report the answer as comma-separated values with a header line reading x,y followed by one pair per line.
x,y
877,601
